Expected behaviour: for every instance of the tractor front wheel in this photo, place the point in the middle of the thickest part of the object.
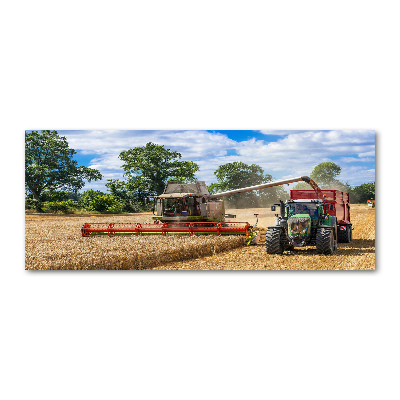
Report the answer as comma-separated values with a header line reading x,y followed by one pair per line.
x,y
273,241
325,241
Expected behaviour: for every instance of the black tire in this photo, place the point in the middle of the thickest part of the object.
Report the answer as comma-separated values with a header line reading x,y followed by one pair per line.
x,y
325,241
273,241
346,235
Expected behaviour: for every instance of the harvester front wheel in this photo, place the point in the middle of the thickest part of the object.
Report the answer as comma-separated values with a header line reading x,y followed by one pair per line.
x,y
325,241
273,241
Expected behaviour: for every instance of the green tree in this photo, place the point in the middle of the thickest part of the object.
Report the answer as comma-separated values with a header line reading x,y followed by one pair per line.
x,y
88,196
362,193
238,175
214,188
128,192
106,203
95,200
52,195
325,174
49,165
149,167
63,206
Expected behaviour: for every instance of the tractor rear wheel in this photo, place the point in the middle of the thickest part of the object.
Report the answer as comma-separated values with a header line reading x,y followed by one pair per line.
x,y
273,241
345,236
325,241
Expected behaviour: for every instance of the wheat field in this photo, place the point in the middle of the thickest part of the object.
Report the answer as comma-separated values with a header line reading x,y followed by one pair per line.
x,y
54,242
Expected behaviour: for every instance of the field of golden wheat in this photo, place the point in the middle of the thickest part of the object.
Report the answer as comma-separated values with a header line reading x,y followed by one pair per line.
x,y
55,242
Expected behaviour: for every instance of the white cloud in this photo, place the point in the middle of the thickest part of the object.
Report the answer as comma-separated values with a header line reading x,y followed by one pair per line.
x,y
356,160
292,155
367,154
356,175
302,151
277,132
205,148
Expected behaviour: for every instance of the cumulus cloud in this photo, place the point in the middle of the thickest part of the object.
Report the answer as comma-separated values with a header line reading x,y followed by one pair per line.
x,y
301,152
278,132
295,153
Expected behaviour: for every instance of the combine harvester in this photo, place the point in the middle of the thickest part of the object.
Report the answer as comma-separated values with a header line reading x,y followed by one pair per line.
x,y
188,208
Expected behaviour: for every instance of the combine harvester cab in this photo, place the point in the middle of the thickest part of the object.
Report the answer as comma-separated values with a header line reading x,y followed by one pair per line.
x,y
188,202
316,217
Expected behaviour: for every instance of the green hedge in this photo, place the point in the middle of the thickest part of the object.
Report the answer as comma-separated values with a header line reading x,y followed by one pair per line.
x,y
64,206
91,200
105,203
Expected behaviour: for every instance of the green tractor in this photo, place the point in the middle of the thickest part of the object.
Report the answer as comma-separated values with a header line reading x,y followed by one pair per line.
x,y
303,223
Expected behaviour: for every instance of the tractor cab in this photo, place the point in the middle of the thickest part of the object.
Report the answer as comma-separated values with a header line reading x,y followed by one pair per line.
x,y
311,208
301,218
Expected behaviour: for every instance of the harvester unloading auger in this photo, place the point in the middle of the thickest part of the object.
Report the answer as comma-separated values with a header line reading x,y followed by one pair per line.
x,y
188,208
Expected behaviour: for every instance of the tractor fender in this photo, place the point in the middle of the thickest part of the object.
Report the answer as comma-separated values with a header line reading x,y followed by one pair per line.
x,y
333,226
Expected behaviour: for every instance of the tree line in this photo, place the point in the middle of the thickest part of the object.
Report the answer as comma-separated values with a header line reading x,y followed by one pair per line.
x,y
53,179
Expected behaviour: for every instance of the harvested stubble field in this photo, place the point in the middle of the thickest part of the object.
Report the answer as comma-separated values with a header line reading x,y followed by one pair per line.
x,y
55,242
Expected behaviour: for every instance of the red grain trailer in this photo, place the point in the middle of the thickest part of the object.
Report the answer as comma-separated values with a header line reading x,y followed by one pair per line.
x,y
338,205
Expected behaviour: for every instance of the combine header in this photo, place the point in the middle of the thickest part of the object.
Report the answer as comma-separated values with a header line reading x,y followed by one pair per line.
x,y
190,228
188,208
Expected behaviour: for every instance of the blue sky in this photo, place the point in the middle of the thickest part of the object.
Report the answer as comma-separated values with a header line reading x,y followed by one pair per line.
x,y
283,154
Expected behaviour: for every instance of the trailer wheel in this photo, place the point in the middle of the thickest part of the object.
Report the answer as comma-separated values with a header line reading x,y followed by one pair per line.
x,y
273,241
325,241
345,236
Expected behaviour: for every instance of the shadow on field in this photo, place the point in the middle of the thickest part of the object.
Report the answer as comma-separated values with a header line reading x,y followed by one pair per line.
x,y
357,246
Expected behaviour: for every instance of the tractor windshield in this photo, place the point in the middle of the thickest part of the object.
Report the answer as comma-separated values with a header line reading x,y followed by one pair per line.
x,y
303,208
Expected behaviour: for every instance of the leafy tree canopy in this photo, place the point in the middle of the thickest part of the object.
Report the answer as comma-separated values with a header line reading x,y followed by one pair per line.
x,y
49,164
149,167
128,192
238,175
325,174
362,193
